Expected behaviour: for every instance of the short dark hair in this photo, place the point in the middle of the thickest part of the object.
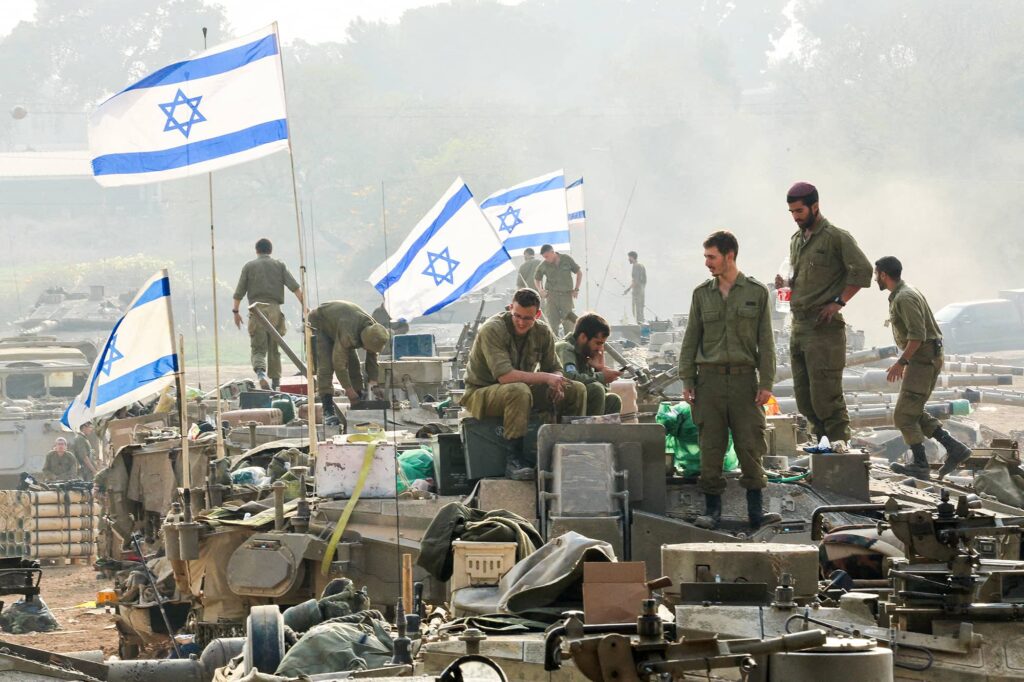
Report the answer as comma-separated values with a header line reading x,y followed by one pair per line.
x,y
632,254
528,251
264,246
547,247
890,265
591,324
724,241
526,297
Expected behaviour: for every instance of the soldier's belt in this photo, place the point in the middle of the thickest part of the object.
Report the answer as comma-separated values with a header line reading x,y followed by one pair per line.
x,y
726,369
805,314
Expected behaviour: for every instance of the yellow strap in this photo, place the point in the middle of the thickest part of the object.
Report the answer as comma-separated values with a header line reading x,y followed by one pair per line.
x,y
364,472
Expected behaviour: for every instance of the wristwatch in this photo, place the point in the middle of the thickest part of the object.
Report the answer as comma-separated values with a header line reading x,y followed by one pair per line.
x,y
839,301
234,310
903,361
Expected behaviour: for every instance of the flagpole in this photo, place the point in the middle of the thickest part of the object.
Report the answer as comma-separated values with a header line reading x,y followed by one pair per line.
x,y
186,463
216,316
307,331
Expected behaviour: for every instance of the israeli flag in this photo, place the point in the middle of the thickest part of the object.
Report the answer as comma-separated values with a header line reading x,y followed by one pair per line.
x,y
531,214
138,359
574,203
222,107
452,251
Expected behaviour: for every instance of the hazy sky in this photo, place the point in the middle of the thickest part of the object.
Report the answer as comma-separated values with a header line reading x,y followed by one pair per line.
x,y
314,21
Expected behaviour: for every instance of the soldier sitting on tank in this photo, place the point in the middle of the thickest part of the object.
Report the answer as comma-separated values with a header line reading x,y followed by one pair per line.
x,y
61,464
582,356
512,367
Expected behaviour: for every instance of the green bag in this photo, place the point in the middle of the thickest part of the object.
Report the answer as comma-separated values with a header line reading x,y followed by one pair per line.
x,y
413,465
682,441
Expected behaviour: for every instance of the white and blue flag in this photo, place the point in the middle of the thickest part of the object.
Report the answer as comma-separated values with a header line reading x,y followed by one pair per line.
x,y
452,251
222,107
574,204
531,214
137,361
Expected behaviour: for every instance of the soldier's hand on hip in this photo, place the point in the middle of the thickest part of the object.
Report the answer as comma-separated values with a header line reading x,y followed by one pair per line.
x,y
690,395
828,312
352,394
779,282
895,373
763,396
238,320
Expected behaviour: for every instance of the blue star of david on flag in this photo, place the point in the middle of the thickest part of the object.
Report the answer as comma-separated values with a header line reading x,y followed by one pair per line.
x,y
443,257
112,356
194,116
509,220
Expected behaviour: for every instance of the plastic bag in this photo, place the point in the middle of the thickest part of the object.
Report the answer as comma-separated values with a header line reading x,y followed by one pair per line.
x,y
256,476
414,465
23,617
682,441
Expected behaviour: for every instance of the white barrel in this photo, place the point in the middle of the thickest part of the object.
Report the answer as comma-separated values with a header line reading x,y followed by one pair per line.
x,y
626,390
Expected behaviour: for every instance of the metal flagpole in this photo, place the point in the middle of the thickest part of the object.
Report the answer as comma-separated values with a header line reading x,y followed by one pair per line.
x,y
216,317
307,332
186,469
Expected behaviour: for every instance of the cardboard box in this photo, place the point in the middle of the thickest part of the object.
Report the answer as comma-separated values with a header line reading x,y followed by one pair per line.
x,y
614,592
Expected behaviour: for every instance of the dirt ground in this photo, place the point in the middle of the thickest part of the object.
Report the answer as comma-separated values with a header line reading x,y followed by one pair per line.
x,y
66,590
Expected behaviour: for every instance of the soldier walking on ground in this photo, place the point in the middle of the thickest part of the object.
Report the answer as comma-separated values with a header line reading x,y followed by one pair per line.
x,y
512,367
263,280
554,280
828,270
342,327
582,356
918,337
527,270
638,285
727,364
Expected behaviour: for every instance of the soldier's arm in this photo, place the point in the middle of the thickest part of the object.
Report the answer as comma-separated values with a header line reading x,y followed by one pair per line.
x,y
240,291
858,267
372,368
765,347
340,362
537,281
911,312
567,356
688,348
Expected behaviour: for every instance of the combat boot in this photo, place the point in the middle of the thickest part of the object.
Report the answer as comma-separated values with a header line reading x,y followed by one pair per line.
x,y
918,468
261,377
515,468
275,384
330,416
712,513
956,452
756,513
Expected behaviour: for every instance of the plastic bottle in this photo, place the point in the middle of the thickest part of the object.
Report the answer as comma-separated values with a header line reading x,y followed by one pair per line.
x,y
783,293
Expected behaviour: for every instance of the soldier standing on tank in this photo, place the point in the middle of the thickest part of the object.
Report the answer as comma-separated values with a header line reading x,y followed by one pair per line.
x,y
263,280
727,364
637,285
828,270
918,336
553,279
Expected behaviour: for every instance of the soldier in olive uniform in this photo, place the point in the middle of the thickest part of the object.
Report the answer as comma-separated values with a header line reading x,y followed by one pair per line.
x,y
582,356
342,327
554,280
727,364
81,448
916,334
263,280
638,285
61,464
511,368
828,270
527,270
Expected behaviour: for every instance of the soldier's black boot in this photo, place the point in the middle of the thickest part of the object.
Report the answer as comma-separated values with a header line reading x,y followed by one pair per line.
x,y
755,510
956,452
712,513
275,384
515,468
918,468
261,377
330,416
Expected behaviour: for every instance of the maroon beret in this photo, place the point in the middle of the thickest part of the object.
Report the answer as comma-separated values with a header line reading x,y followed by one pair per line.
x,y
801,189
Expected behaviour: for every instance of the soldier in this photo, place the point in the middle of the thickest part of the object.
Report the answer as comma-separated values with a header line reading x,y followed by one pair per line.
x,y
342,327
60,464
916,334
81,448
263,280
727,364
527,270
828,270
638,285
553,279
512,367
582,356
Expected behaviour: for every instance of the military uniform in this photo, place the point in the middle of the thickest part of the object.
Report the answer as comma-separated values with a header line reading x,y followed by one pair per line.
x,y
263,280
823,265
599,399
60,467
639,283
496,351
339,326
727,355
527,271
82,449
559,286
911,319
